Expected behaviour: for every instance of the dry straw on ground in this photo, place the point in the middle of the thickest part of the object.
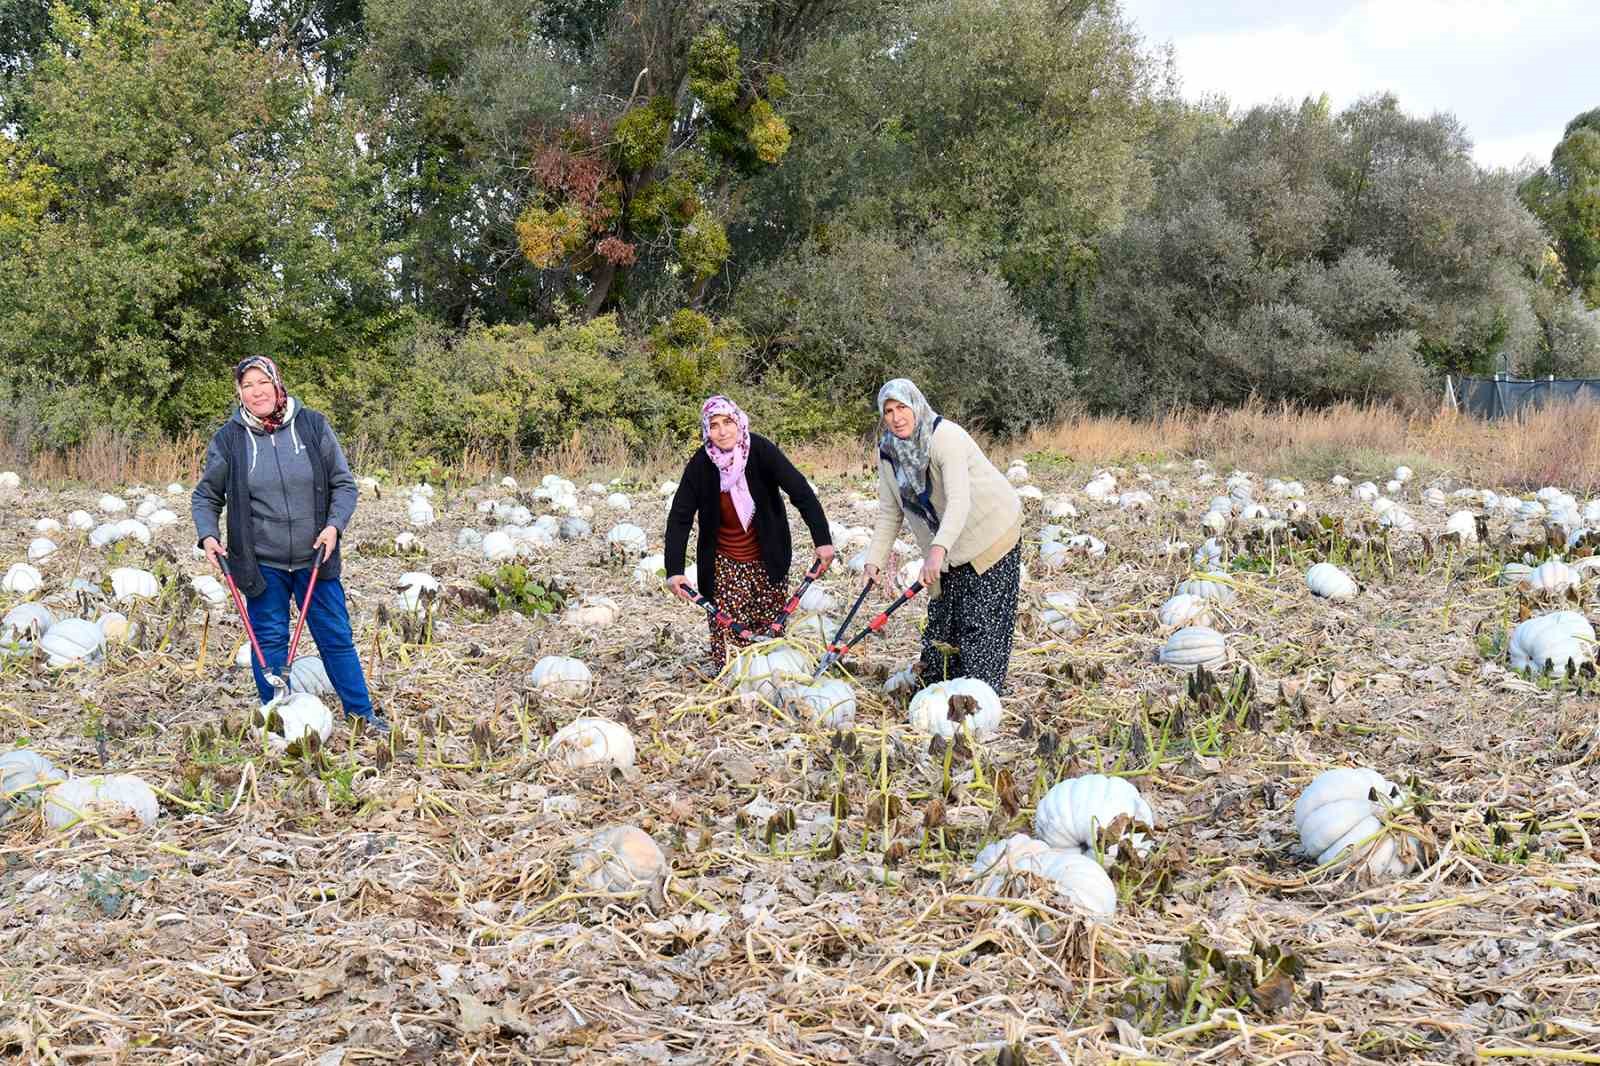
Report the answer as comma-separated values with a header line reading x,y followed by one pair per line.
x,y
413,904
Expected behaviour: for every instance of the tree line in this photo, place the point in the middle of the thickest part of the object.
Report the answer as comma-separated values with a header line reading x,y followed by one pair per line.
x,y
503,222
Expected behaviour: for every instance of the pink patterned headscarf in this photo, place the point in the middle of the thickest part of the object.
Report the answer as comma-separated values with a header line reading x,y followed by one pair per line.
x,y
730,464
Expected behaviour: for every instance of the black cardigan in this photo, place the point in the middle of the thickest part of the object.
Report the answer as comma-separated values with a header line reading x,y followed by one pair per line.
x,y
700,490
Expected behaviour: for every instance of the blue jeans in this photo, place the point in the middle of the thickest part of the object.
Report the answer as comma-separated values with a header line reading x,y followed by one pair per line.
x,y
329,623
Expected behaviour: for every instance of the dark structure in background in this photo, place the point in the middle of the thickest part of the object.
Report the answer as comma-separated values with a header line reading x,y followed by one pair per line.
x,y
1507,397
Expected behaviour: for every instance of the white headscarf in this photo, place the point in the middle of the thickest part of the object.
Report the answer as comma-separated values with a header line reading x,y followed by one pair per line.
x,y
909,457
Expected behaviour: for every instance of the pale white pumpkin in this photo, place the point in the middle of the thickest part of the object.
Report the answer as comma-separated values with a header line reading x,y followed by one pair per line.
x,y
1339,481
818,599
72,641
1053,555
667,488
129,583
114,627
770,670
110,504
81,520
930,709
406,543
572,527
1085,544
302,714
1207,585
498,546
829,703
9,479
1184,609
133,529
419,512
1060,507
209,589
627,538
508,483
1076,877
1331,583
47,525
595,611
1057,614
618,501
40,548
592,742
1073,812
23,774
1216,522
111,798
1101,487
1464,525
1552,578
622,858
1194,646
995,865
161,518
562,676
1398,519
1366,492
1336,813
1209,553
1137,500
1552,641
413,586
23,625
22,579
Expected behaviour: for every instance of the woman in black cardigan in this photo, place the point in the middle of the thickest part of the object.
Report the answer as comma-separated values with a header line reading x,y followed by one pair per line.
x,y
744,551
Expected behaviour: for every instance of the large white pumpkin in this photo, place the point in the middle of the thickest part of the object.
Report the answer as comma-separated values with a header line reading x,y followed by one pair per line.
x,y
81,520
830,703
72,641
1552,578
1182,610
1073,812
21,772
302,714
995,865
597,611
1075,876
770,670
498,546
1331,583
1551,641
1336,812
1464,525
622,858
1210,586
409,595
592,742
1194,646
627,538
23,625
129,583
930,709
9,479
419,512
110,504
211,591
563,676
22,579
1057,613
115,797
40,548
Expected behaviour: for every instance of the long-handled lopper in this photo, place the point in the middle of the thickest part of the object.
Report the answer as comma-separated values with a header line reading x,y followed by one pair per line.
x,y
719,617
837,651
781,622
279,686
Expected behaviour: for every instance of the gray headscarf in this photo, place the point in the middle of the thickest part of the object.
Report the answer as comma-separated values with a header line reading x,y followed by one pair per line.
x,y
909,457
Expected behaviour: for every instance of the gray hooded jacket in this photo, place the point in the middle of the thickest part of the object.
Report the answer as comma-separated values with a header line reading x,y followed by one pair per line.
x,y
282,485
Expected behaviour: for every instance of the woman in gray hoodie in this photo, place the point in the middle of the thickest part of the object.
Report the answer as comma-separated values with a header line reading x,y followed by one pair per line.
x,y
281,467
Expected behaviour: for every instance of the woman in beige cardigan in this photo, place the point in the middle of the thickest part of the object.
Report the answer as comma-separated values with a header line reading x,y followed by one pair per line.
x,y
968,521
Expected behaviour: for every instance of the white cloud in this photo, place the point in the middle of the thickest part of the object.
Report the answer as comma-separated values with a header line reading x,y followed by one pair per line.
x,y
1513,72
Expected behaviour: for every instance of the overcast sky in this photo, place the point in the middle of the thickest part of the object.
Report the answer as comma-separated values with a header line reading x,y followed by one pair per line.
x,y
1513,72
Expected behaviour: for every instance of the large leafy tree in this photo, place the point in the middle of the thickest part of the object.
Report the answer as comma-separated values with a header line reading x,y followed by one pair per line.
x,y
181,198
1010,133
1566,196
1309,256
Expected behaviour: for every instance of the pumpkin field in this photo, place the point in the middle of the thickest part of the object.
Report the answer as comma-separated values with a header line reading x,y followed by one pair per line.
x,y
623,859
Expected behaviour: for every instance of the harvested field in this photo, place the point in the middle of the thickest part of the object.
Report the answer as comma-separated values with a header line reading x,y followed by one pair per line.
x,y
412,899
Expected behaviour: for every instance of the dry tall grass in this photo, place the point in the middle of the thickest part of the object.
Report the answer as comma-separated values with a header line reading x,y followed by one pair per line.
x,y
1559,445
